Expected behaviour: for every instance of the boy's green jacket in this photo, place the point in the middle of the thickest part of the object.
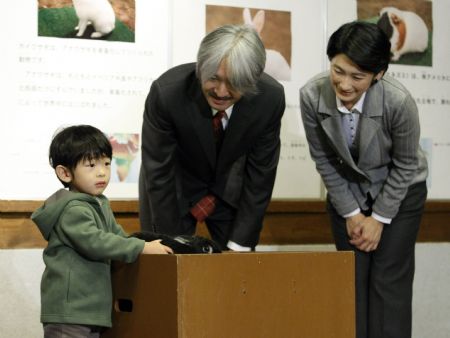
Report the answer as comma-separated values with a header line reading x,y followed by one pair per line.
x,y
83,237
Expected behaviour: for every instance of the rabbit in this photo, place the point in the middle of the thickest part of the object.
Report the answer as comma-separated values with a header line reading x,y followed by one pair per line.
x,y
276,64
406,30
98,13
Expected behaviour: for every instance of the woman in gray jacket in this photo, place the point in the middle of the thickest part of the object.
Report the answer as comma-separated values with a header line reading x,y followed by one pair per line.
x,y
363,131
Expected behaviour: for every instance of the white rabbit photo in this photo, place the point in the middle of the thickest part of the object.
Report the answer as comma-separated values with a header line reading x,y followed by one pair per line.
x,y
98,13
272,26
106,20
276,64
406,30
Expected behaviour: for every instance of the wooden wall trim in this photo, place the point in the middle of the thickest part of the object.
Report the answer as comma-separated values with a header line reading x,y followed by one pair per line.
x,y
286,222
14,206
275,206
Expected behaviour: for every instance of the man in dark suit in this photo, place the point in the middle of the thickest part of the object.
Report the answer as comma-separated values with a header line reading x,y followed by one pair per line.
x,y
188,175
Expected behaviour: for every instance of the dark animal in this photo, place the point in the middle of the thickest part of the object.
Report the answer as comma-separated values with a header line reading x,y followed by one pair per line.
x,y
181,244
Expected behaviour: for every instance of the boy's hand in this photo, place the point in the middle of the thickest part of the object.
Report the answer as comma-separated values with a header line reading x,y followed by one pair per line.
x,y
155,247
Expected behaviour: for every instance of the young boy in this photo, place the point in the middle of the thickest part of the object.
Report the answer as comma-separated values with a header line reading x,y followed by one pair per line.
x,y
83,237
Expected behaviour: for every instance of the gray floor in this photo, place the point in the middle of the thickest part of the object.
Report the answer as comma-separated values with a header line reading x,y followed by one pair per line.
x,y
21,271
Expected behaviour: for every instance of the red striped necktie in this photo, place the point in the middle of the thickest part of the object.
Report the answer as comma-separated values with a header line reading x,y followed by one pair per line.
x,y
206,206
218,126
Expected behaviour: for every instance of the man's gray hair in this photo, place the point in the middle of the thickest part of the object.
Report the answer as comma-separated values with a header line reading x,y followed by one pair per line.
x,y
242,50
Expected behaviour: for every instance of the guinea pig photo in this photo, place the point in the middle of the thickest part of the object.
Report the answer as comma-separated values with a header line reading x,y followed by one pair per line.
x,y
406,30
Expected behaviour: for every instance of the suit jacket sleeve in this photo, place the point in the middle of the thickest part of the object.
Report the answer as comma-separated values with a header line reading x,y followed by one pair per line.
x,y
158,163
259,179
404,133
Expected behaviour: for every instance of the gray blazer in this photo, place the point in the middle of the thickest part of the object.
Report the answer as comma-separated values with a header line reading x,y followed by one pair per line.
x,y
179,160
390,158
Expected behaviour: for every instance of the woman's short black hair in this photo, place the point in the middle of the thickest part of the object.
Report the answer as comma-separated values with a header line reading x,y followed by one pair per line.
x,y
78,143
362,42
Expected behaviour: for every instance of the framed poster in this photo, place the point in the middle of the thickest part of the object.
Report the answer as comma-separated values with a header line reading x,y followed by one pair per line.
x,y
54,75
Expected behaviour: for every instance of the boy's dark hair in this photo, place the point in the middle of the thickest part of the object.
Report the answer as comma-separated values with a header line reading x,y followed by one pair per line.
x,y
362,42
78,143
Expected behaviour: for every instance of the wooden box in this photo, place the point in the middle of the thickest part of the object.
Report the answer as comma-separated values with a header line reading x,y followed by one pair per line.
x,y
233,295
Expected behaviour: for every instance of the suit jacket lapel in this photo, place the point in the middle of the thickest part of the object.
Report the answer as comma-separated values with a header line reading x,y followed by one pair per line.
x,y
201,117
369,125
333,124
236,129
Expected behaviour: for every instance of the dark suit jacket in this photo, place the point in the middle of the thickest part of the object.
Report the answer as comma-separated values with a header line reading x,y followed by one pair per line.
x,y
179,162
390,158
